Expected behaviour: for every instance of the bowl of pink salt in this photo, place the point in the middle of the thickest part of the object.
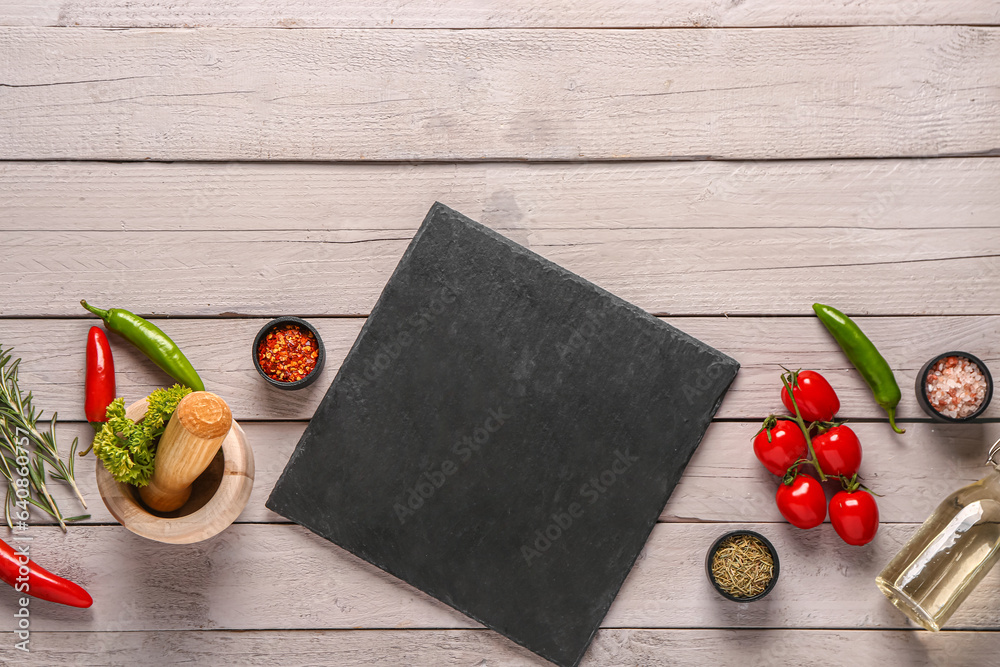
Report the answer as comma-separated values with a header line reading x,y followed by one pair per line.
x,y
954,387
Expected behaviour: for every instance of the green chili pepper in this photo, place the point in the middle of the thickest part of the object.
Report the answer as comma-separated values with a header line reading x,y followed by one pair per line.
x,y
866,358
152,342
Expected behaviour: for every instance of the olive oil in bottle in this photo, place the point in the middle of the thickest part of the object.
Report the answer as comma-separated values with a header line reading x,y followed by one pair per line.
x,y
954,549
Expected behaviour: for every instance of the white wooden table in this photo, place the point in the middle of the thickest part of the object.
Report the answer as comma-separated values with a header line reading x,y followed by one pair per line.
x,y
721,164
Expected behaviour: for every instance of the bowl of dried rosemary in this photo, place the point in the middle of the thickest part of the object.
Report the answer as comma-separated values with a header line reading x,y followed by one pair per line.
x,y
742,565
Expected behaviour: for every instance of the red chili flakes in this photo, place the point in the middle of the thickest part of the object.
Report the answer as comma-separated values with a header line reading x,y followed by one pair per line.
x,y
287,353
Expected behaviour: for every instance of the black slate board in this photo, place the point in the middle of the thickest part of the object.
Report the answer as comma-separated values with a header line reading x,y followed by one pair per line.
x,y
503,435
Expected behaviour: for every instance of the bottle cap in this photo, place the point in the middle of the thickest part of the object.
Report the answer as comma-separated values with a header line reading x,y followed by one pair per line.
x,y
994,451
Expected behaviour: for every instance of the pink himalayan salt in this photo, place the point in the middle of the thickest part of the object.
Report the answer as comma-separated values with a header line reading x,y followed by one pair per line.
x,y
956,387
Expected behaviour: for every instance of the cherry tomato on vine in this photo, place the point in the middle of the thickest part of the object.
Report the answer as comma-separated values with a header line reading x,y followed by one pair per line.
x,y
815,397
838,451
803,502
780,446
854,516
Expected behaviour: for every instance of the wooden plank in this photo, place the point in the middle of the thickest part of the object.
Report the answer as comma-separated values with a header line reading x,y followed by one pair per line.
x,y
739,271
492,13
723,481
53,359
457,648
282,577
515,199
257,94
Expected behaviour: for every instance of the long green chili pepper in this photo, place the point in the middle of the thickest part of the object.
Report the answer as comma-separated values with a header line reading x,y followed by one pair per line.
x,y
152,342
866,358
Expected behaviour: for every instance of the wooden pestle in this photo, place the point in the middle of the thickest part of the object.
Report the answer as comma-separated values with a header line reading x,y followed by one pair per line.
x,y
188,444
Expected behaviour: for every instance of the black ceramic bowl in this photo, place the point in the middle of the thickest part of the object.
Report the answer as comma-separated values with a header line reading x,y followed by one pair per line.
x,y
925,404
320,358
715,547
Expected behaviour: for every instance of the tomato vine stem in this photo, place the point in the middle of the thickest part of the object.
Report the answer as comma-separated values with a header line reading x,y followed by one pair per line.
x,y
788,378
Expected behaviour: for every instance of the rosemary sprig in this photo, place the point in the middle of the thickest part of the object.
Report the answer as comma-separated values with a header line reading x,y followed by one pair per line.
x,y
37,473
18,416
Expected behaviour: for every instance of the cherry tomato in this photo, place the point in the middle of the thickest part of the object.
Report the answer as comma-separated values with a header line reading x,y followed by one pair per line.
x,y
854,516
786,446
838,451
815,397
803,502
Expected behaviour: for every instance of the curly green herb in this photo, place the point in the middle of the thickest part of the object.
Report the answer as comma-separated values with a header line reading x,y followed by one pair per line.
x,y
127,448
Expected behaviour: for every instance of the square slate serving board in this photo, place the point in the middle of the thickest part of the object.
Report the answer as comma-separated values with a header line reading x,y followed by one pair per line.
x,y
503,435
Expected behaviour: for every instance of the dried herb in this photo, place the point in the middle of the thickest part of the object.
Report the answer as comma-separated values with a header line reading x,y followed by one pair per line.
x,y
742,566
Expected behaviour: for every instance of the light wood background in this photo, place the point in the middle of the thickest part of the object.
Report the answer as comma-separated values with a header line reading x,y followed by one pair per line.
x,y
720,163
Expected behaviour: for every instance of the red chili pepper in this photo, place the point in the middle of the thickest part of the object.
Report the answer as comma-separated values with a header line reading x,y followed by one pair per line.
x,y
100,383
37,581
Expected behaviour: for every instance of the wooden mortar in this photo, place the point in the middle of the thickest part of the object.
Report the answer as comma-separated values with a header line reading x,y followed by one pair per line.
x,y
218,497
192,437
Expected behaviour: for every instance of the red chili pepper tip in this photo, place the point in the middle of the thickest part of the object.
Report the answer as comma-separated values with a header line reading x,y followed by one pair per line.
x,y
42,584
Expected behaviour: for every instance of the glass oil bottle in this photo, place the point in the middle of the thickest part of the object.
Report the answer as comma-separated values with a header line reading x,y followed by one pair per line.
x,y
954,549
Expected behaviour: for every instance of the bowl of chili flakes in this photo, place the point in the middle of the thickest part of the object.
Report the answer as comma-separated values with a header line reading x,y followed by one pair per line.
x,y
288,353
